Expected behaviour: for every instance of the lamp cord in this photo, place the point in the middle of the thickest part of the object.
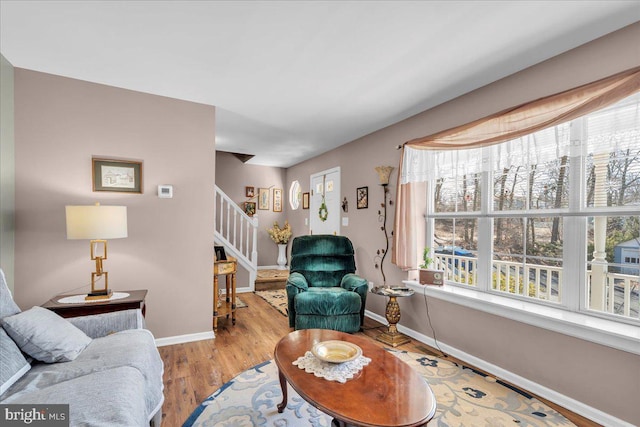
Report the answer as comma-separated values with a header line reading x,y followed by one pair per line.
x,y
435,339
80,287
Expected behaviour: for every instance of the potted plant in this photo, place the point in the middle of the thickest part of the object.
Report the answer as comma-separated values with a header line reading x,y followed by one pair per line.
x,y
427,275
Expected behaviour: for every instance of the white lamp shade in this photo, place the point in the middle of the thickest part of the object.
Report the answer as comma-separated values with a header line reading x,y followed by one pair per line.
x,y
96,222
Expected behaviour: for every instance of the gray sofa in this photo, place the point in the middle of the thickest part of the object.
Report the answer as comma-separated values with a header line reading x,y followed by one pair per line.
x,y
106,367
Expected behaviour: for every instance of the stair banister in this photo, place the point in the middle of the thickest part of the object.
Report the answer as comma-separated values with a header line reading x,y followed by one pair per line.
x,y
233,234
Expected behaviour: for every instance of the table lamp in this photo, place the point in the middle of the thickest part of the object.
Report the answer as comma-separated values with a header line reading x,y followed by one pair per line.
x,y
97,223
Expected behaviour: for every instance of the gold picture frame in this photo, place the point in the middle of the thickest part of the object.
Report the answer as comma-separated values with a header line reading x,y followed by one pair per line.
x,y
250,208
305,200
277,199
263,198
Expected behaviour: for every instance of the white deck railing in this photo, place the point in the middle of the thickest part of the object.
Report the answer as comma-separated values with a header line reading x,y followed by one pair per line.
x,y
543,282
237,232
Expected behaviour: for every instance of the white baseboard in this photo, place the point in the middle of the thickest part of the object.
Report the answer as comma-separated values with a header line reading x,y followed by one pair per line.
x,y
179,339
527,385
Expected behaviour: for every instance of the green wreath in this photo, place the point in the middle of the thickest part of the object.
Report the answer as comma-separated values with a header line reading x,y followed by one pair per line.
x,y
323,213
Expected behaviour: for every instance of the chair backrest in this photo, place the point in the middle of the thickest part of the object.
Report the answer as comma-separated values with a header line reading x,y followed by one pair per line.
x,y
322,259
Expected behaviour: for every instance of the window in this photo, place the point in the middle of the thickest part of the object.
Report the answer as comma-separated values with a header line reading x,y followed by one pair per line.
x,y
551,217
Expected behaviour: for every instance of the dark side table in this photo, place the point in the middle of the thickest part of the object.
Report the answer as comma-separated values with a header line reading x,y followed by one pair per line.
x,y
134,300
391,336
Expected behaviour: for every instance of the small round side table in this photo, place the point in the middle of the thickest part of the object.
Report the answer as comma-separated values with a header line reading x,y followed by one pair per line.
x,y
391,336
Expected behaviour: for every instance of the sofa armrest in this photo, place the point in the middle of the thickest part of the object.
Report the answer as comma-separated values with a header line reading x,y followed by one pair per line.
x,y
100,325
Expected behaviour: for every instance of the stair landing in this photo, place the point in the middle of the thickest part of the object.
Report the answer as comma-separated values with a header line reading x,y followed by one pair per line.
x,y
268,279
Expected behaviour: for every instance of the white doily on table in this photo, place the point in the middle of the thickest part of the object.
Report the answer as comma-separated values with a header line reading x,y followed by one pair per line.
x,y
79,299
340,372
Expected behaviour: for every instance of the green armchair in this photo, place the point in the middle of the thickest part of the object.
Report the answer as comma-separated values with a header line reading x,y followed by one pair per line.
x,y
323,290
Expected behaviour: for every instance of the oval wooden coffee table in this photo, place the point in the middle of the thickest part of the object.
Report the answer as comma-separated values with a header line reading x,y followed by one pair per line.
x,y
387,392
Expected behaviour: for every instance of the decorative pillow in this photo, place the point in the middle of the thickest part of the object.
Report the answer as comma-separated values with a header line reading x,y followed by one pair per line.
x,y
45,336
12,363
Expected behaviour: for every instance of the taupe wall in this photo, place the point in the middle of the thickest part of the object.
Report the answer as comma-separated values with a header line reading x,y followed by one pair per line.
x,y
598,376
60,124
7,171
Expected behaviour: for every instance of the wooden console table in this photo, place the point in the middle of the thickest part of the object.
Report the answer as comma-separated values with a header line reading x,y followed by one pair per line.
x,y
227,267
134,300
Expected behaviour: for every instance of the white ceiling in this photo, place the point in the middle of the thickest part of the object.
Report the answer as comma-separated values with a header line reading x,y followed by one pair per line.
x,y
292,80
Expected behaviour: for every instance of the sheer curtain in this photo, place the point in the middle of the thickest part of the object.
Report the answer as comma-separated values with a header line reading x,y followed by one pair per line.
x,y
506,125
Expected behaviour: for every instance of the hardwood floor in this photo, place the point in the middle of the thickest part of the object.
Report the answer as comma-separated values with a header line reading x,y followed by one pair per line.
x,y
193,371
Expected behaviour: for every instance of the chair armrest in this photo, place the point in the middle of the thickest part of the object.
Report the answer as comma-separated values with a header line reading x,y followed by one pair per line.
x,y
359,285
296,283
100,325
353,282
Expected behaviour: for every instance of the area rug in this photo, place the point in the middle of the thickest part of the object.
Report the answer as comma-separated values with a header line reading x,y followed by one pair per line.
x,y
465,398
276,298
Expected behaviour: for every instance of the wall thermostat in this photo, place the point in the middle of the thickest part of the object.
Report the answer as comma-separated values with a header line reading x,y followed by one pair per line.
x,y
165,191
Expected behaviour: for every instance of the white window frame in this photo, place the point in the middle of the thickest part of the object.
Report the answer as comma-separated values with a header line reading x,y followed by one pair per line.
x,y
571,316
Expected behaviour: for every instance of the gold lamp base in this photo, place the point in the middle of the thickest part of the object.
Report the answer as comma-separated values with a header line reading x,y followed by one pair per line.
x,y
92,296
105,292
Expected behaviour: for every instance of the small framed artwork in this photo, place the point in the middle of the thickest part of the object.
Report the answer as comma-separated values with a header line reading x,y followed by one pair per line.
x,y
249,191
123,176
305,200
277,199
362,197
250,208
220,253
263,198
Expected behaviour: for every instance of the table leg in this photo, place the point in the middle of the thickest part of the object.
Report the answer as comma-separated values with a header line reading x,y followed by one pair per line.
x,y
392,337
233,298
283,386
227,295
215,302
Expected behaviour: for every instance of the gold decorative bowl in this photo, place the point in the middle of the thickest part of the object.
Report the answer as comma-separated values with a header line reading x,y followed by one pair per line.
x,y
336,351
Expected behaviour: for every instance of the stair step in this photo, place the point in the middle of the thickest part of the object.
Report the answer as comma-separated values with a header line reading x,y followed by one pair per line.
x,y
268,279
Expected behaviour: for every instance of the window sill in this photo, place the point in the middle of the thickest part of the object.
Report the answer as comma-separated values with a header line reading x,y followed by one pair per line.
x,y
606,332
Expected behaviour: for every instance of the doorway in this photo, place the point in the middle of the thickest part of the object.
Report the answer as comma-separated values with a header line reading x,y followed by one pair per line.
x,y
325,187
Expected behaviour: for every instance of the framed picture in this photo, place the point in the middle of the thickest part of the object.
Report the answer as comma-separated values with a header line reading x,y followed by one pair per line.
x,y
277,199
263,198
124,176
250,208
220,253
305,200
362,197
249,191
